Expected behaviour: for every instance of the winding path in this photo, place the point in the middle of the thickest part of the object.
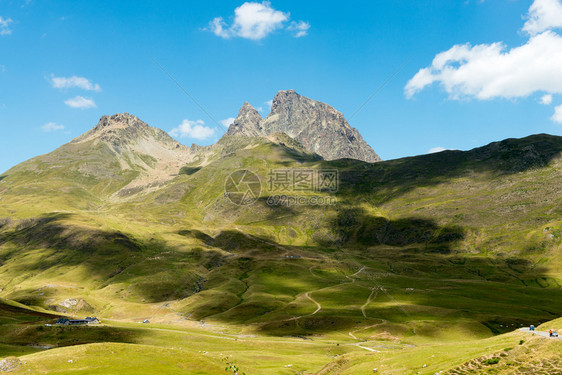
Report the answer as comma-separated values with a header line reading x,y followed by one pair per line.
x,y
369,299
351,277
318,306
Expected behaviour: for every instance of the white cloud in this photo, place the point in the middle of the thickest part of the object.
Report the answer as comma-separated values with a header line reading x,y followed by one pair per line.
x,y
557,116
2,68
193,129
227,121
52,127
299,28
5,26
255,21
546,99
436,149
80,102
217,26
544,15
74,81
489,71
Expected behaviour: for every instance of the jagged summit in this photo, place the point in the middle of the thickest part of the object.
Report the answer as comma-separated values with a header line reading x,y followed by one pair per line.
x,y
247,122
317,126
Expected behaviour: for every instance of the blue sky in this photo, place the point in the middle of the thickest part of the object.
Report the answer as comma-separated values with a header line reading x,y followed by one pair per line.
x,y
64,64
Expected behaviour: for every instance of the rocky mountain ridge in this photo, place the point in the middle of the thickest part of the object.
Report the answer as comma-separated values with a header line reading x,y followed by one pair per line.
x,y
317,126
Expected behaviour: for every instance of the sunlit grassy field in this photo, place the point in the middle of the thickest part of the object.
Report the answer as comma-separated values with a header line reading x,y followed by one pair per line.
x,y
442,255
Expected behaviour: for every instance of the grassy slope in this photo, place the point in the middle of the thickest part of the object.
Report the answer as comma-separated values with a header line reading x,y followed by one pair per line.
x,y
168,349
444,243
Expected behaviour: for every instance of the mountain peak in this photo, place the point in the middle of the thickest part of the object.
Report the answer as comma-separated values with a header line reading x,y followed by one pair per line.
x,y
124,128
317,126
134,146
121,120
247,123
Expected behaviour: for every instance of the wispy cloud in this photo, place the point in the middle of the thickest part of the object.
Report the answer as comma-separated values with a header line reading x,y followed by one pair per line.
x,y
5,26
227,121
193,129
52,127
255,21
269,103
80,102
543,15
299,28
557,116
436,149
73,82
546,99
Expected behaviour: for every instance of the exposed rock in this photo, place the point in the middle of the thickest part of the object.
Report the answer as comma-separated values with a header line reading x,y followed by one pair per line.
x,y
72,304
316,125
139,147
69,303
9,364
247,123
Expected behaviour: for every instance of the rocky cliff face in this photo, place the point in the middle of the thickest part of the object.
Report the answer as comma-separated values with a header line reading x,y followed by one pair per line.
x,y
248,123
316,125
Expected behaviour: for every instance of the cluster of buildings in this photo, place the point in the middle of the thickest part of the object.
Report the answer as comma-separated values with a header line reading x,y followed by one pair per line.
x,y
75,322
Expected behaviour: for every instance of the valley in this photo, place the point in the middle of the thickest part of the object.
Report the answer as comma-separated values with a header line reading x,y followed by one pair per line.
x,y
432,260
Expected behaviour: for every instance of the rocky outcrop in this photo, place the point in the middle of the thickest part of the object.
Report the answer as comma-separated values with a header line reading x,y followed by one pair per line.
x,y
317,126
137,147
247,123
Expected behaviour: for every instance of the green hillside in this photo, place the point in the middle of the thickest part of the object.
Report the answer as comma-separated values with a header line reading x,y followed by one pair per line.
x,y
453,247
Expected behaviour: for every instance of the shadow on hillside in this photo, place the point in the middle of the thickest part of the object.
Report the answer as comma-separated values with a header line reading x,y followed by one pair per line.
x,y
53,242
354,226
24,327
49,232
232,241
390,179
3,177
409,253
19,313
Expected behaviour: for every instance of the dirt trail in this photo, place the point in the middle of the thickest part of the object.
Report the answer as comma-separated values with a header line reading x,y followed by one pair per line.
x,y
366,348
351,277
374,291
352,333
318,306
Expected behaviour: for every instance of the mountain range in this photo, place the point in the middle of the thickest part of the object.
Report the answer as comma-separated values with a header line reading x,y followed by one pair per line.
x,y
126,223
317,126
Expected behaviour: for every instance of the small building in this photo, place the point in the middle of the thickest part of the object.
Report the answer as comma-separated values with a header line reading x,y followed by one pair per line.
x,y
77,322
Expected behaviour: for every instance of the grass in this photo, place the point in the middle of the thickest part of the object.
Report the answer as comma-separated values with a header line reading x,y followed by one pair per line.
x,y
192,350
445,252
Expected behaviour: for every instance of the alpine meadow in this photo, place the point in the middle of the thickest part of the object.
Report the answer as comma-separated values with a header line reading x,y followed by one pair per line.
x,y
284,240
